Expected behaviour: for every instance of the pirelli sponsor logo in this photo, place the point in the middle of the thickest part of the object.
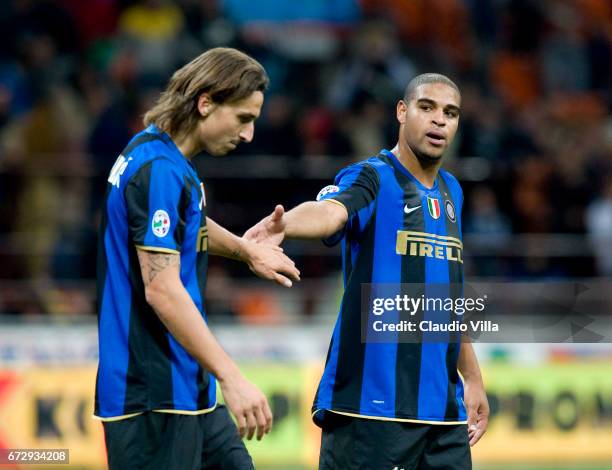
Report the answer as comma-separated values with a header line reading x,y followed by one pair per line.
x,y
429,245
202,244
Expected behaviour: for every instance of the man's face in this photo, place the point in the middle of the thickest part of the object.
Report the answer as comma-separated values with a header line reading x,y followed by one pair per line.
x,y
227,125
429,120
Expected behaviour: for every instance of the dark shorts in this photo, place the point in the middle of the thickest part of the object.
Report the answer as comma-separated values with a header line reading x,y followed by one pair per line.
x,y
369,444
172,441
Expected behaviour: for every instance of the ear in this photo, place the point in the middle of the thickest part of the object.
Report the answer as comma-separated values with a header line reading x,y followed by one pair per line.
x,y
401,111
205,105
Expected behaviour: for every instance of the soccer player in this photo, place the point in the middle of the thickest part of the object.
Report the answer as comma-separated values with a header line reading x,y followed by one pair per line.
x,y
398,404
155,390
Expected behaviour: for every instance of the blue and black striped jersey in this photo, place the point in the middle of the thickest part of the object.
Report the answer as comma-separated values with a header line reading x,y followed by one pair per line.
x,y
398,232
154,201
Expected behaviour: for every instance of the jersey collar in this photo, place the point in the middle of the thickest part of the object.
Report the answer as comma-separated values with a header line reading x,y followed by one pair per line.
x,y
398,165
153,129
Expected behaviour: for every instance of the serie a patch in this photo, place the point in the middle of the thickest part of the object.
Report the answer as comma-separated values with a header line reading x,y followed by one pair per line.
x,y
160,225
330,189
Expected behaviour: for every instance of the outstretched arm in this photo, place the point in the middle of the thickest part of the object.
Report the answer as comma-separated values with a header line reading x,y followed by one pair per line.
x,y
266,261
171,302
475,397
312,219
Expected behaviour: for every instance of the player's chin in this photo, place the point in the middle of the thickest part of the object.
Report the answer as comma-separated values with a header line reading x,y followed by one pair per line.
x,y
230,148
430,155
434,151
222,151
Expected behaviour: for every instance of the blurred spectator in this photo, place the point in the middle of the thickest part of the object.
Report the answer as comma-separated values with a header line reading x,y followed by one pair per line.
x,y
485,218
258,306
276,129
374,67
481,129
46,139
315,130
206,23
564,49
440,26
367,128
153,28
599,228
491,228
531,189
94,19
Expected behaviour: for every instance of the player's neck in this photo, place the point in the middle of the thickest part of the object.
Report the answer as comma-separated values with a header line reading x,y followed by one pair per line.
x,y
426,174
187,144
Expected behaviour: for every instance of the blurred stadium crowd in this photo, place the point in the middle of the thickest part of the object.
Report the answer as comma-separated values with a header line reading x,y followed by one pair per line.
x,y
534,151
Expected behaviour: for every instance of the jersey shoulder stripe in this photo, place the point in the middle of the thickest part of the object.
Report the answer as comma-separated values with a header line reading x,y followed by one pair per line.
x,y
452,183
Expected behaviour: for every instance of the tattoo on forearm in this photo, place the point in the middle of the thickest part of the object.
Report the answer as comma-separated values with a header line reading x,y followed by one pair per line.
x,y
157,262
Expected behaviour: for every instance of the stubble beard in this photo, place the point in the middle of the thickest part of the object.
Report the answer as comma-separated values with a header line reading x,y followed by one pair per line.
x,y
426,160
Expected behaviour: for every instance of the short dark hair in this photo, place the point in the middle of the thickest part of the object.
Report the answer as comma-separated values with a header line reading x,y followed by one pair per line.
x,y
227,74
425,79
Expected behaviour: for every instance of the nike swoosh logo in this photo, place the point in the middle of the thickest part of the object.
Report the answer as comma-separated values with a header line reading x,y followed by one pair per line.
x,y
408,210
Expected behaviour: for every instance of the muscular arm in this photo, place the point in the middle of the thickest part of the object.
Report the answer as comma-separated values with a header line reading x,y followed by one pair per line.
x,y
315,219
166,294
222,242
468,363
475,397
312,219
170,300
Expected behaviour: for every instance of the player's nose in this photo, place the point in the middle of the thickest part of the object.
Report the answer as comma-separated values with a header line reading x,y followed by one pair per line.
x,y
247,132
439,118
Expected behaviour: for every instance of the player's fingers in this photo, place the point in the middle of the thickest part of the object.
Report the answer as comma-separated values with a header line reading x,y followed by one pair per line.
x,y
472,415
285,260
251,424
287,265
261,423
268,415
278,213
291,271
479,430
241,423
472,421
476,437
282,280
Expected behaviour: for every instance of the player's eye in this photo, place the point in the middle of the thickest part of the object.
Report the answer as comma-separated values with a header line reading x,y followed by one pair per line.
x,y
426,107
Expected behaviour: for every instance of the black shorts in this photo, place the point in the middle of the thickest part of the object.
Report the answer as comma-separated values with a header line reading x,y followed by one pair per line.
x,y
172,441
369,444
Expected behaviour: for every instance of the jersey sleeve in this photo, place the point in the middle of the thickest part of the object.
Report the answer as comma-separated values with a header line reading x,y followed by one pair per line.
x,y
153,200
355,187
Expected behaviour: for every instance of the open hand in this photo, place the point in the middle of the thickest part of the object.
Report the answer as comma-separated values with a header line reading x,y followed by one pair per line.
x,y
270,229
